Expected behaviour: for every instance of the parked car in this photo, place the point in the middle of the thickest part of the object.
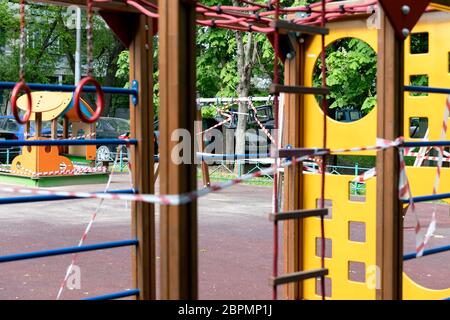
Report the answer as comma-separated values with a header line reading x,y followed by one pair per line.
x,y
255,141
110,128
11,130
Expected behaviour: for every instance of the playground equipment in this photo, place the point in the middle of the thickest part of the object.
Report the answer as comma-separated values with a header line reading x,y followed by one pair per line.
x,y
46,165
305,196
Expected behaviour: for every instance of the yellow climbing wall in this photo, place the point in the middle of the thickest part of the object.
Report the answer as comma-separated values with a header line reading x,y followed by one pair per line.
x,y
351,261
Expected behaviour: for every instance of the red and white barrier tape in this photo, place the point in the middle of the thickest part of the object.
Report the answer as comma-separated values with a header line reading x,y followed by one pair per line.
x,y
263,128
74,171
153,198
380,145
186,197
365,176
405,193
230,117
86,231
430,158
432,226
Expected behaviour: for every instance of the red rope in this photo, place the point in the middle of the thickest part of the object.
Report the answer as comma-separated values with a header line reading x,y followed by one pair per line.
x,y
244,18
322,191
276,80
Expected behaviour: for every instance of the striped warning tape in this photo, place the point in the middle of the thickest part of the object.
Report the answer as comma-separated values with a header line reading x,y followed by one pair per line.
x,y
432,226
178,199
430,158
380,145
263,128
74,171
229,117
88,228
365,176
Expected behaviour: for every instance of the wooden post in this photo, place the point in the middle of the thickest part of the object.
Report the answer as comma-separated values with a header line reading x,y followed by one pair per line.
x,y
389,242
65,149
141,120
293,126
54,128
177,111
201,148
38,124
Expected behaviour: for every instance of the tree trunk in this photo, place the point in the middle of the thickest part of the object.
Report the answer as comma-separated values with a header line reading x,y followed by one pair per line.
x,y
246,59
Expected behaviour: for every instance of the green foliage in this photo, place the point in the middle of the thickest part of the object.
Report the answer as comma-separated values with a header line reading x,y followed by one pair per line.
x,y
209,112
419,80
351,74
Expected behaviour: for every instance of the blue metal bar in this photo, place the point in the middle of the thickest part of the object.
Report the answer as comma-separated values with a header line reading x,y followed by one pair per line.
x,y
66,142
428,252
426,89
12,200
437,143
233,156
430,197
67,250
70,88
117,295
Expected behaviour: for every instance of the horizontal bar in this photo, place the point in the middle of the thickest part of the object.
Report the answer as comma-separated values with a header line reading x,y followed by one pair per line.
x,y
428,252
278,88
67,250
66,142
426,89
289,26
298,276
69,88
237,99
301,152
12,200
431,197
117,295
231,156
436,143
298,214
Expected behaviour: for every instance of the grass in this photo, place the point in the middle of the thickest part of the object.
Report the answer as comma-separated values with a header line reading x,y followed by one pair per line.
x,y
221,176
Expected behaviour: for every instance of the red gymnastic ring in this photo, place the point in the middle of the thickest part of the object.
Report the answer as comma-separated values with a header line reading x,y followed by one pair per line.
x,y
14,96
76,100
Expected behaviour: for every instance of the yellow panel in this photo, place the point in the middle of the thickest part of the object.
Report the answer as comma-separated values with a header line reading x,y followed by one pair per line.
x,y
51,104
340,135
436,65
337,229
363,133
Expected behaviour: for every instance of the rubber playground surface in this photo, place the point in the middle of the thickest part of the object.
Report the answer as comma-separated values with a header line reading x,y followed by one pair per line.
x,y
235,245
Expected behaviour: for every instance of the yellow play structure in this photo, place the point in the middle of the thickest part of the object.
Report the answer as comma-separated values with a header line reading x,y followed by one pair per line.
x,y
49,106
344,252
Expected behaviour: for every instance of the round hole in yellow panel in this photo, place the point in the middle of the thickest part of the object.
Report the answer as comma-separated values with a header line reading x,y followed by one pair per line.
x,y
351,68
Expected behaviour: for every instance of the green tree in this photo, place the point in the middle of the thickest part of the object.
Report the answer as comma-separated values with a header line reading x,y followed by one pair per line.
x,y
351,75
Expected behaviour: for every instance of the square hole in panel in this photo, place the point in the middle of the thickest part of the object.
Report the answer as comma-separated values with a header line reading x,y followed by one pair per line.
x,y
357,271
418,80
418,127
357,191
328,204
327,287
328,247
357,231
419,43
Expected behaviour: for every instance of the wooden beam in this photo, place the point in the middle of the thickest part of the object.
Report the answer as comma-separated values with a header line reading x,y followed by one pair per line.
x,y
141,119
293,135
201,148
112,5
178,235
389,242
